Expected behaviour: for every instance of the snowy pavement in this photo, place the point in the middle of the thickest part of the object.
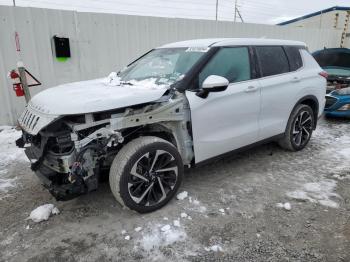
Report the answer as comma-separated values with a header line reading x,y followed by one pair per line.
x,y
265,204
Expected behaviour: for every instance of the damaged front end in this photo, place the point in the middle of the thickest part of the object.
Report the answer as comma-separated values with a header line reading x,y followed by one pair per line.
x,y
65,170
68,153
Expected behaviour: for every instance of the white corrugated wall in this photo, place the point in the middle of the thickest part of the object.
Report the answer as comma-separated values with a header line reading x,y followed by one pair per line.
x,y
101,43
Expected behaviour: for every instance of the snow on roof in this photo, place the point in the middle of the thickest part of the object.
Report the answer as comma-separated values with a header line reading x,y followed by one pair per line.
x,y
231,41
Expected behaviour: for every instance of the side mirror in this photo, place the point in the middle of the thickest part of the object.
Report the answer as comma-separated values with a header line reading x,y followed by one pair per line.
x,y
213,83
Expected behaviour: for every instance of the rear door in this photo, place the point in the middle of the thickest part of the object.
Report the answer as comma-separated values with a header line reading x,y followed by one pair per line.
x,y
225,120
280,83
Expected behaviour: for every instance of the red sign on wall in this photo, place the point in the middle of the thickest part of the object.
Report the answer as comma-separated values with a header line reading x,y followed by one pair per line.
x,y
18,47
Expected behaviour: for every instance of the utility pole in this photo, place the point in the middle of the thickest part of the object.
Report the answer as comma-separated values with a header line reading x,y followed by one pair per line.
x,y
237,12
14,2
235,17
240,16
216,13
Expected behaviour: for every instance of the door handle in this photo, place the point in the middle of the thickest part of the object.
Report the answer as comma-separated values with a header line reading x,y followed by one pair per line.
x,y
251,89
295,79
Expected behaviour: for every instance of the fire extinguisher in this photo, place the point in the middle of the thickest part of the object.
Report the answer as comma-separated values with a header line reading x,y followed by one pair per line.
x,y
18,89
17,86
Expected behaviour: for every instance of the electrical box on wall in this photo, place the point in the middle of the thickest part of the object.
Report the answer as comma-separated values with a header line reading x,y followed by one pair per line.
x,y
62,48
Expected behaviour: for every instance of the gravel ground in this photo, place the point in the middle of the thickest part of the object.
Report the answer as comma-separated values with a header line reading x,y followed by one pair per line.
x,y
235,210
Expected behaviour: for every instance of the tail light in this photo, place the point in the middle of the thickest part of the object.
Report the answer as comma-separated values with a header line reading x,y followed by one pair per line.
x,y
323,74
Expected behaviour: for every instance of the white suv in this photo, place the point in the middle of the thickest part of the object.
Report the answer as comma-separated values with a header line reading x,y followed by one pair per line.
x,y
178,105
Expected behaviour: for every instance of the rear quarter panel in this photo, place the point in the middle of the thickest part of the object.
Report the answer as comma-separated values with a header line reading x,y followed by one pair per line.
x,y
312,83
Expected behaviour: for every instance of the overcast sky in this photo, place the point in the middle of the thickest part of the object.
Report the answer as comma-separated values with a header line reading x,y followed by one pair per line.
x,y
253,11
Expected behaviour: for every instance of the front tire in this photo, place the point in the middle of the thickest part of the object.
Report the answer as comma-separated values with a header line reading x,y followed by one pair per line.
x,y
299,128
146,174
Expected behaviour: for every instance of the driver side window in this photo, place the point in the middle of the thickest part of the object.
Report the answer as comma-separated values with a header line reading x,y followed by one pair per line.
x,y
230,62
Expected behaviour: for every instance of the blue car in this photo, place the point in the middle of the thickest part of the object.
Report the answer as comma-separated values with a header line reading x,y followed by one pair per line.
x,y
338,103
336,62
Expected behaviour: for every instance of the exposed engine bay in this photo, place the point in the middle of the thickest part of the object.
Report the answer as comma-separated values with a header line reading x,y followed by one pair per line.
x,y
337,82
69,152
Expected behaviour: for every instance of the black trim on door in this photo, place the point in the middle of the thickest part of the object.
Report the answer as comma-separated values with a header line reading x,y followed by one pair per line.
x,y
254,65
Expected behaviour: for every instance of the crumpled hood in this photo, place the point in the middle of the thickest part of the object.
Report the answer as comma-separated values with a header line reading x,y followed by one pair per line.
x,y
95,96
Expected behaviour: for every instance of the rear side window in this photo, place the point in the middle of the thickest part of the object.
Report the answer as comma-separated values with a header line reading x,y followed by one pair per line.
x,y
272,60
294,57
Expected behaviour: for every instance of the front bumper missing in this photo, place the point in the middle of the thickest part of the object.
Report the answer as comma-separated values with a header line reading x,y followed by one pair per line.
x,y
61,192
56,182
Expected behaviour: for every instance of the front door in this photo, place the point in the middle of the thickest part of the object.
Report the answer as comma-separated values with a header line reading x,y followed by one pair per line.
x,y
225,120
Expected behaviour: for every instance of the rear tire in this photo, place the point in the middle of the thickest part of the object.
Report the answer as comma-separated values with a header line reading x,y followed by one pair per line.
x,y
146,174
299,128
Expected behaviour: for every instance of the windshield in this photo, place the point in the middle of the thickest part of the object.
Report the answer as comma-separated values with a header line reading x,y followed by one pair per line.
x,y
164,65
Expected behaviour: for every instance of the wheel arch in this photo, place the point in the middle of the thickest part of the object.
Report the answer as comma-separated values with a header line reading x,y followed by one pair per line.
x,y
156,130
174,132
311,101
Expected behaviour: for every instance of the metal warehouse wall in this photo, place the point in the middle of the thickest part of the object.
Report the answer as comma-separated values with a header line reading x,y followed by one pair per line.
x,y
337,19
101,43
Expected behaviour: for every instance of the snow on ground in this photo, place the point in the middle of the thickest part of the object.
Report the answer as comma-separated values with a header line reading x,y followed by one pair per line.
x,y
161,236
286,206
176,223
42,213
338,142
183,215
182,195
195,203
165,228
6,184
337,146
345,152
318,192
221,210
214,248
138,229
9,155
